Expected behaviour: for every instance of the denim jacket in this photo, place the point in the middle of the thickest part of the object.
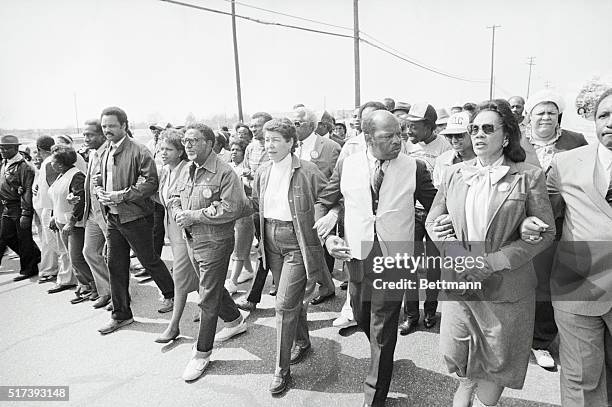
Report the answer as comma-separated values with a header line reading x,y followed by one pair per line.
x,y
213,184
304,186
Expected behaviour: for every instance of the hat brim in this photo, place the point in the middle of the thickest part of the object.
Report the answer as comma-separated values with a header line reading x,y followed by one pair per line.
x,y
415,118
453,131
10,144
442,121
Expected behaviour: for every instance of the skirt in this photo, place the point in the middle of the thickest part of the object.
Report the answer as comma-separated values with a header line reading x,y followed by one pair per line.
x,y
488,340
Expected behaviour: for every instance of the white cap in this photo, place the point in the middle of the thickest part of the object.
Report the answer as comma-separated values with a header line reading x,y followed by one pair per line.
x,y
457,123
545,95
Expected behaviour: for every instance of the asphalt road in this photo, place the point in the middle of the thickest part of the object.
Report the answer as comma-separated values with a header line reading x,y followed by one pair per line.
x,y
45,341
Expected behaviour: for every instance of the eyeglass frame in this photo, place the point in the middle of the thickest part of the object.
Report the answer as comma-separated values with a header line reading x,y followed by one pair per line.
x,y
474,129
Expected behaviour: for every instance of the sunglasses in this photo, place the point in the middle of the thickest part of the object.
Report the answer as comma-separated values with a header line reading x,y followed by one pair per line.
x,y
449,137
473,129
189,141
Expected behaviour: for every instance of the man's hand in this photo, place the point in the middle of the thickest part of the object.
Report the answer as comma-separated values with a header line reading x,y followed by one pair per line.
x,y
73,199
186,218
67,229
53,225
478,274
326,224
25,222
532,229
443,227
108,198
338,248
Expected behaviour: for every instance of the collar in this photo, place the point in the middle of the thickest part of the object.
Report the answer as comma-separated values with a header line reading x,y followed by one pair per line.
x,y
16,158
210,164
542,143
117,144
284,164
310,140
604,155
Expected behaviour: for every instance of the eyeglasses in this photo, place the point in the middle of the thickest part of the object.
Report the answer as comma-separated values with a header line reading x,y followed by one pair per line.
x,y
473,129
297,123
189,141
459,137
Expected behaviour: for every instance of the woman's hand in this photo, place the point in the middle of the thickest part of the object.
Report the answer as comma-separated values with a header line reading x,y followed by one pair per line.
x,y
443,227
532,229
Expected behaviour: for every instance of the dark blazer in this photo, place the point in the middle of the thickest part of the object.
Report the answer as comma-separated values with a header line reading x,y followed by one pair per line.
x,y
521,193
569,140
327,155
305,185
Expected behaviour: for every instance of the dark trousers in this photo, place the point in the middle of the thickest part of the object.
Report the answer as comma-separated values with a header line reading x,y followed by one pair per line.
x,y
284,256
138,235
544,327
159,233
262,273
376,313
212,258
21,242
411,297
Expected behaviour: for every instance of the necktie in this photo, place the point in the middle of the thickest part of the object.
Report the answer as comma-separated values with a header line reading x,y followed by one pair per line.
x,y
377,178
609,194
300,144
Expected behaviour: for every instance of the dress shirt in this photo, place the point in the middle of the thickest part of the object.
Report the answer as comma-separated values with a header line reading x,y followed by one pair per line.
x,y
110,161
306,147
94,158
604,167
481,180
255,155
276,203
372,163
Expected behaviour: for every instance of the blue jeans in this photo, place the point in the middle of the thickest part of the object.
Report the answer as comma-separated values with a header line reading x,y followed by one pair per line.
x,y
285,259
137,234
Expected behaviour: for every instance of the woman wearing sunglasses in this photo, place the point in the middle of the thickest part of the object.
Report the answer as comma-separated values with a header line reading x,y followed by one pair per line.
x,y
485,334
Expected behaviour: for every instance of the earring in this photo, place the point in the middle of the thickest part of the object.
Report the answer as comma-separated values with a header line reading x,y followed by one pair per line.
x,y
505,143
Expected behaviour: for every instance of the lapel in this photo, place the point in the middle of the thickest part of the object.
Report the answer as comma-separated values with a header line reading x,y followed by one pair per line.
x,y
500,197
263,182
459,189
588,177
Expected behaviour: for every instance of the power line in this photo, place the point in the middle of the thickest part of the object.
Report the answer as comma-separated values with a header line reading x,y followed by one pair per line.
x,y
420,65
255,20
394,52
291,15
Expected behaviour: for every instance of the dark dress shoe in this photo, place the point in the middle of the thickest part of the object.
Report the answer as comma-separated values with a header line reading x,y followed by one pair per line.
x,y
22,277
79,298
246,305
280,382
430,321
46,279
344,285
408,326
59,288
322,298
298,354
103,301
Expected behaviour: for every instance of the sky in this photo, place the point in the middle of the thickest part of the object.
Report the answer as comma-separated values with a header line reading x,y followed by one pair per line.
x,y
159,60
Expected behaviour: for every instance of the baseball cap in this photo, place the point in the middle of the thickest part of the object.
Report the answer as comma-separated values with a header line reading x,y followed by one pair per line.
x,y
401,106
442,116
422,112
457,123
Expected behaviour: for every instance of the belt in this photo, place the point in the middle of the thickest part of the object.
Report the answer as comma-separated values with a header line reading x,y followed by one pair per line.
x,y
278,222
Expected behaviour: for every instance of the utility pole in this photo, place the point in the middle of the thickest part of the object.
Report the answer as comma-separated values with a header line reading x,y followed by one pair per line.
x,y
531,64
356,51
492,59
236,65
76,112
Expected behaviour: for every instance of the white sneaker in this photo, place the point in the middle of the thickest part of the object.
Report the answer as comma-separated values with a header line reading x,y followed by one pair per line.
x,y
343,322
195,368
543,358
230,287
228,333
245,276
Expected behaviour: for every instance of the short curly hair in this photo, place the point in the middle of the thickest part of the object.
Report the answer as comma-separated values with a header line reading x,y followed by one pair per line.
x,y
204,130
174,137
65,155
513,150
285,127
